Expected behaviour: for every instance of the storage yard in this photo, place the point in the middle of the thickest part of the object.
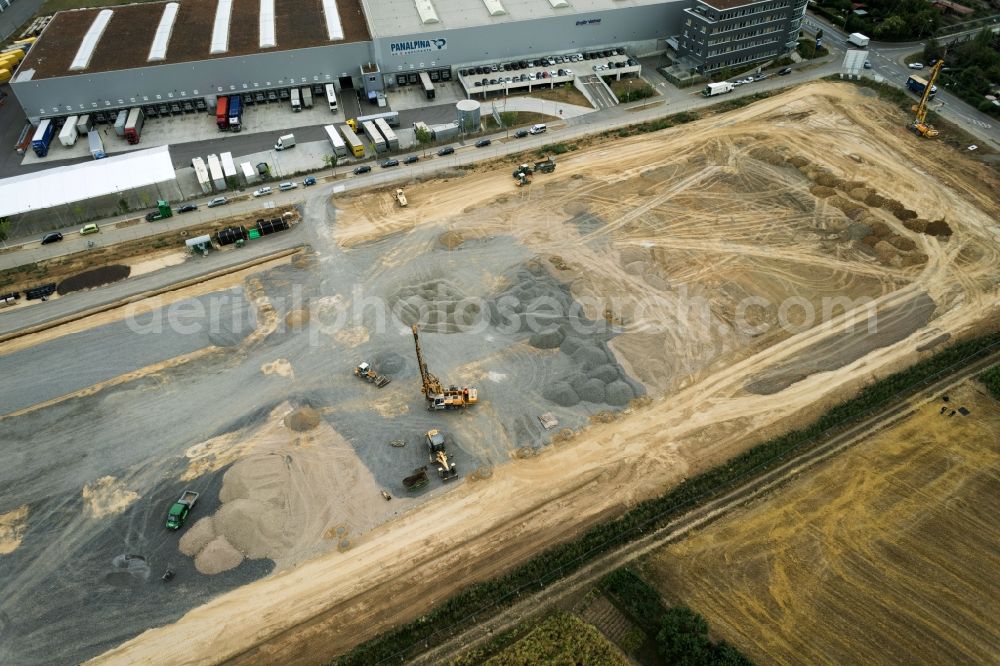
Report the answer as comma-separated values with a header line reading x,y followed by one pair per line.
x,y
895,542
609,295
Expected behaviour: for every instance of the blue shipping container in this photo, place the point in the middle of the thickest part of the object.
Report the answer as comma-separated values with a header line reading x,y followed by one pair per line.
x,y
43,137
235,112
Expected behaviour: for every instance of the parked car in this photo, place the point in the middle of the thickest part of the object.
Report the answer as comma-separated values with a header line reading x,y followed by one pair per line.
x,y
89,229
520,134
538,129
868,64
262,191
284,187
786,70
389,163
309,181
53,237
916,65
187,208
482,143
410,159
749,79
218,201
364,168
447,150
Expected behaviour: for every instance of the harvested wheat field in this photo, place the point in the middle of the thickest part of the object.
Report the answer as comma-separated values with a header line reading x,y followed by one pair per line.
x,y
702,288
885,555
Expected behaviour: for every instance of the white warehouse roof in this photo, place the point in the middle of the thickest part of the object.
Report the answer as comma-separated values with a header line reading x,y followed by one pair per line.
x,y
79,182
391,18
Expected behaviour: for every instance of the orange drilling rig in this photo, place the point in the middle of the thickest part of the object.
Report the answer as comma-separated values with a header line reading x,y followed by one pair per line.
x,y
439,397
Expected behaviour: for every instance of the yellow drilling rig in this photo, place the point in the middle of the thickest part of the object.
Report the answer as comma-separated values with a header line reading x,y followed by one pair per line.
x,y
439,397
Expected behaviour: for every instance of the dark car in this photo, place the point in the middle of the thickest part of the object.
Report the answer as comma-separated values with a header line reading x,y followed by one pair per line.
x,y
309,181
364,168
54,237
447,150
187,208
411,159
520,134
482,143
787,70
389,163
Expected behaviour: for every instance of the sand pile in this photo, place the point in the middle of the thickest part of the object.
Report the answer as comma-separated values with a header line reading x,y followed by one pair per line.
x,y
280,367
106,496
302,419
13,525
297,319
280,499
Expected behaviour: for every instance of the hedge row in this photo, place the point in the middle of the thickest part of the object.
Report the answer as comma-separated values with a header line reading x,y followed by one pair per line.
x,y
636,597
480,601
992,380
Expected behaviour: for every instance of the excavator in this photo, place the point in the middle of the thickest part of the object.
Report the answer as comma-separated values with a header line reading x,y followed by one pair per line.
x,y
920,126
439,397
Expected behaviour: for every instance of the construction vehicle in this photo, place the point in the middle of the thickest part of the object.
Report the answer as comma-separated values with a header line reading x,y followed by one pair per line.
x,y
522,175
438,455
366,372
385,494
400,197
438,397
548,165
180,509
417,480
920,126
162,212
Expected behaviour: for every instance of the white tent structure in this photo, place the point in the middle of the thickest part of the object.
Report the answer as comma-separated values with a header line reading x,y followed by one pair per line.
x,y
61,186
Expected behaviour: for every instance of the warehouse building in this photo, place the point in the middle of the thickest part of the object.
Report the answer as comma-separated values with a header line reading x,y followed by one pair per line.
x,y
177,57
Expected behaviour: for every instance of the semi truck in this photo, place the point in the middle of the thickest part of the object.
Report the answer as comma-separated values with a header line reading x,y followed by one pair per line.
x,y
235,113
68,133
180,509
331,97
96,145
120,120
201,172
918,84
859,40
373,135
222,113
84,124
713,89
215,171
43,137
307,98
133,126
285,142
339,146
353,142
390,137
296,100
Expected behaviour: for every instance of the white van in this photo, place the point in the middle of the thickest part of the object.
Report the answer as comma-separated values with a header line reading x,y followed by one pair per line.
x,y
538,129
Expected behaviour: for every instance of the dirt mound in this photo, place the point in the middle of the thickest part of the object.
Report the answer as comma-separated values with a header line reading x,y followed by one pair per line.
x,y
218,556
828,180
437,306
849,208
798,161
919,225
297,319
822,191
451,240
302,419
904,214
94,278
902,243
938,228
197,536
860,193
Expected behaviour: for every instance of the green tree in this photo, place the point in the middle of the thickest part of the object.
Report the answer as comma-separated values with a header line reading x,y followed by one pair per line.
x,y
330,161
423,137
893,27
508,118
4,229
932,50
683,638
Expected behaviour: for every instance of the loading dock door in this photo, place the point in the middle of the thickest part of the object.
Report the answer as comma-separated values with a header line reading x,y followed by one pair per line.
x,y
346,83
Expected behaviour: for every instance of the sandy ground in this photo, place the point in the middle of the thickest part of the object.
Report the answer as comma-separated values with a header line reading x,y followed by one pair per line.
x,y
897,536
718,211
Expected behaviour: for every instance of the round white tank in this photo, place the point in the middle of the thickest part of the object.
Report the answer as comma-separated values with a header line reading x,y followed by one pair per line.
x,y
468,115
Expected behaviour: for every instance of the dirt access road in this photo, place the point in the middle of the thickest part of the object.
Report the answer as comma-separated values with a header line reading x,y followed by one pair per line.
x,y
793,197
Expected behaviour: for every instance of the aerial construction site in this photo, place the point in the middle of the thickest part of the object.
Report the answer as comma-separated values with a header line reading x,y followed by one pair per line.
x,y
432,389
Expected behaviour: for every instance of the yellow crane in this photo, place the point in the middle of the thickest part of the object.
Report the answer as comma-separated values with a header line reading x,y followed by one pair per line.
x,y
439,397
919,125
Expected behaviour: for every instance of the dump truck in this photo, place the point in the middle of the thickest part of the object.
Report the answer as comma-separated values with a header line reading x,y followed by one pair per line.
x,y
366,372
548,165
180,509
417,480
400,197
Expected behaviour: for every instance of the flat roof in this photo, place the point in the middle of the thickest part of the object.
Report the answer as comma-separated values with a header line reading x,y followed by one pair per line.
x,y
127,40
78,182
390,18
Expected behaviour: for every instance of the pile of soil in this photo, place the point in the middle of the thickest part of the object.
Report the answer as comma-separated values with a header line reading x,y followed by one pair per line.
x,y
96,277
296,319
302,419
